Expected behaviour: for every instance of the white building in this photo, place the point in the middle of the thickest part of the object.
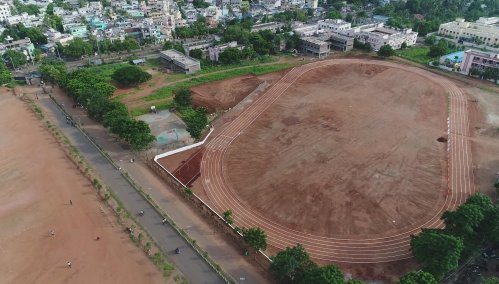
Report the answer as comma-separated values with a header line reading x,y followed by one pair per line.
x,y
486,30
337,25
4,12
313,3
474,59
377,35
305,30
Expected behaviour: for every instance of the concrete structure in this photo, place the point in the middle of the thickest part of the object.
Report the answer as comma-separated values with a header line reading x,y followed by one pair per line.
x,y
203,45
340,42
305,30
313,3
315,46
4,11
377,35
76,30
330,25
179,62
215,51
474,59
23,45
483,31
272,26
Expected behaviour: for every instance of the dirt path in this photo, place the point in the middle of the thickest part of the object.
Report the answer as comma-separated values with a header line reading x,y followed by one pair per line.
x,y
38,182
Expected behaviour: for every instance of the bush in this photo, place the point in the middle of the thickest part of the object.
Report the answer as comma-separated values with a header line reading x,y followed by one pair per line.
x,y
196,121
131,76
386,51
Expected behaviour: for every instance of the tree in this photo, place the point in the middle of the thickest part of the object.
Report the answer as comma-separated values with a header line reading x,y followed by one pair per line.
x,y
139,135
463,222
430,40
255,237
5,76
329,274
333,14
419,277
31,9
438,251
77,48
54,22
196,121
349,18
53,71
437,51
183,98
290,264
490,280
230,56
130,75
200,4
14,58
19,31
228,217
196,53
386,51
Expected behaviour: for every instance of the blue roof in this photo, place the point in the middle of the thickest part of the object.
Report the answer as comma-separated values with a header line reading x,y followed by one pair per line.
x,y
452,56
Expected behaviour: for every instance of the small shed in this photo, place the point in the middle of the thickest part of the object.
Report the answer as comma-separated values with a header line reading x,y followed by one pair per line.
x,y
138,62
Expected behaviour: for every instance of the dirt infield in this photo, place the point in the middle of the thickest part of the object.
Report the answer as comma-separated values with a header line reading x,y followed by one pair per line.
x,y
38,181
352,149
362,133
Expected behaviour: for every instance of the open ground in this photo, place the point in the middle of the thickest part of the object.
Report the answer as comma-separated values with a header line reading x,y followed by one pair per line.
x,y
38,182
354,143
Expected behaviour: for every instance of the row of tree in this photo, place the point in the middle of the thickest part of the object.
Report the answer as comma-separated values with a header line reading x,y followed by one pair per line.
x,y
78,47
471,224
89,90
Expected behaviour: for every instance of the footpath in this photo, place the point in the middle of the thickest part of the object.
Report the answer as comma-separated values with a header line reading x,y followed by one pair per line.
x,y
213,242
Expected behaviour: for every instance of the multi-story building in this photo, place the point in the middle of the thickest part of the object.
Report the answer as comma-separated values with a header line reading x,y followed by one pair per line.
x,y
330,25
203,45
315,46
484,30
305,29
479,60
272,26
180,62
340,42
4,11
377,35
23,45
76,30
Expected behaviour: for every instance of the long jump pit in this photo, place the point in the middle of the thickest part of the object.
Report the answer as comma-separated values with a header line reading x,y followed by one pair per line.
x,y
347,157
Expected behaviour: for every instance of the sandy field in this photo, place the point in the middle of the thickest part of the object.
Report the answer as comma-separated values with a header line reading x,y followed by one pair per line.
x,y
348,151
38,182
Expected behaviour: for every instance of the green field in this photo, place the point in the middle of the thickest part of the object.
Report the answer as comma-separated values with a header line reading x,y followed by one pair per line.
x,y
416,54
167,91
106,70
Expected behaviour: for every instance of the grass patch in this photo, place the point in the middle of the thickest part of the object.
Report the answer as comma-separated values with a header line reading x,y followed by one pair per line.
x,y
160,105
106,70
416,54
167,91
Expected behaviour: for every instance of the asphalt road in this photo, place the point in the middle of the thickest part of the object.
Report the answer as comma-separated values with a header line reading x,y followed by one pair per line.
x,y
192,265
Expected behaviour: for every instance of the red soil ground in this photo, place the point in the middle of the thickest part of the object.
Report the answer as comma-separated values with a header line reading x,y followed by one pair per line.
x,y
38,181
349,151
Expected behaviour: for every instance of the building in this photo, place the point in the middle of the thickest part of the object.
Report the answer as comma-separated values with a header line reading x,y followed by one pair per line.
x,y
23,45
272,26
340,42
4,12
474,59
330,25
315,46
313,3
180,62
378,35
203,45
484,31
76,30
305,30
214,51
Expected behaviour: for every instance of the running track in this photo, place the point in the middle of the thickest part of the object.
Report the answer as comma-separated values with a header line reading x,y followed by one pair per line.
x,y
353,250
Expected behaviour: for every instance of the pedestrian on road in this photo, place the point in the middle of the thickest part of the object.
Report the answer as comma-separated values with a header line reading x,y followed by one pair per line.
x,y
69,264
70,202
52,233
98,238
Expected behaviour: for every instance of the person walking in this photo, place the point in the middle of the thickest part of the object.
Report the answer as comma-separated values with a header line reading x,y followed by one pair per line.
x,y
52,233
70,202
69,264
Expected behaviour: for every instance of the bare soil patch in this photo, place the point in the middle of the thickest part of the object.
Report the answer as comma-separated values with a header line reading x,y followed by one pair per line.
x,y
349,151
38,181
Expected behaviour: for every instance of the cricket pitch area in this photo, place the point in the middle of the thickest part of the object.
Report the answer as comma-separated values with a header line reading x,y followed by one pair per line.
x,y
342,157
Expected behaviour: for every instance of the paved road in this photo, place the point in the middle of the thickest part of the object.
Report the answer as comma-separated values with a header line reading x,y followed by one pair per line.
x,y
194,268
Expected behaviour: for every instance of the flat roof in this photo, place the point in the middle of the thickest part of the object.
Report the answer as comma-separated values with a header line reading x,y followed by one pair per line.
x,y
179,57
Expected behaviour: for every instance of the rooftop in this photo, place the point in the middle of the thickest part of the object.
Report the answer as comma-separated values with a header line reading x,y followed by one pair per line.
x,y
177,56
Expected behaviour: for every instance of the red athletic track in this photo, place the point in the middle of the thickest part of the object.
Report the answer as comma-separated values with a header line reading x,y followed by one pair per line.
x,y
353,250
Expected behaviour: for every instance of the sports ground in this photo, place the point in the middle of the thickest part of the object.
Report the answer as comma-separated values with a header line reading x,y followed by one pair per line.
x,y
342,156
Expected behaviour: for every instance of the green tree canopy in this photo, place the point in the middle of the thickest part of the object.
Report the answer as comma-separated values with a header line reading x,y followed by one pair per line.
x,y
5,76
490,280
290,264
419,277
255,237
15,58
183,98
386,51
438,251
77,48
196,53
196,121
19,31
228,217
130,75
328,274
31,9
230,56
463,222
333,14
